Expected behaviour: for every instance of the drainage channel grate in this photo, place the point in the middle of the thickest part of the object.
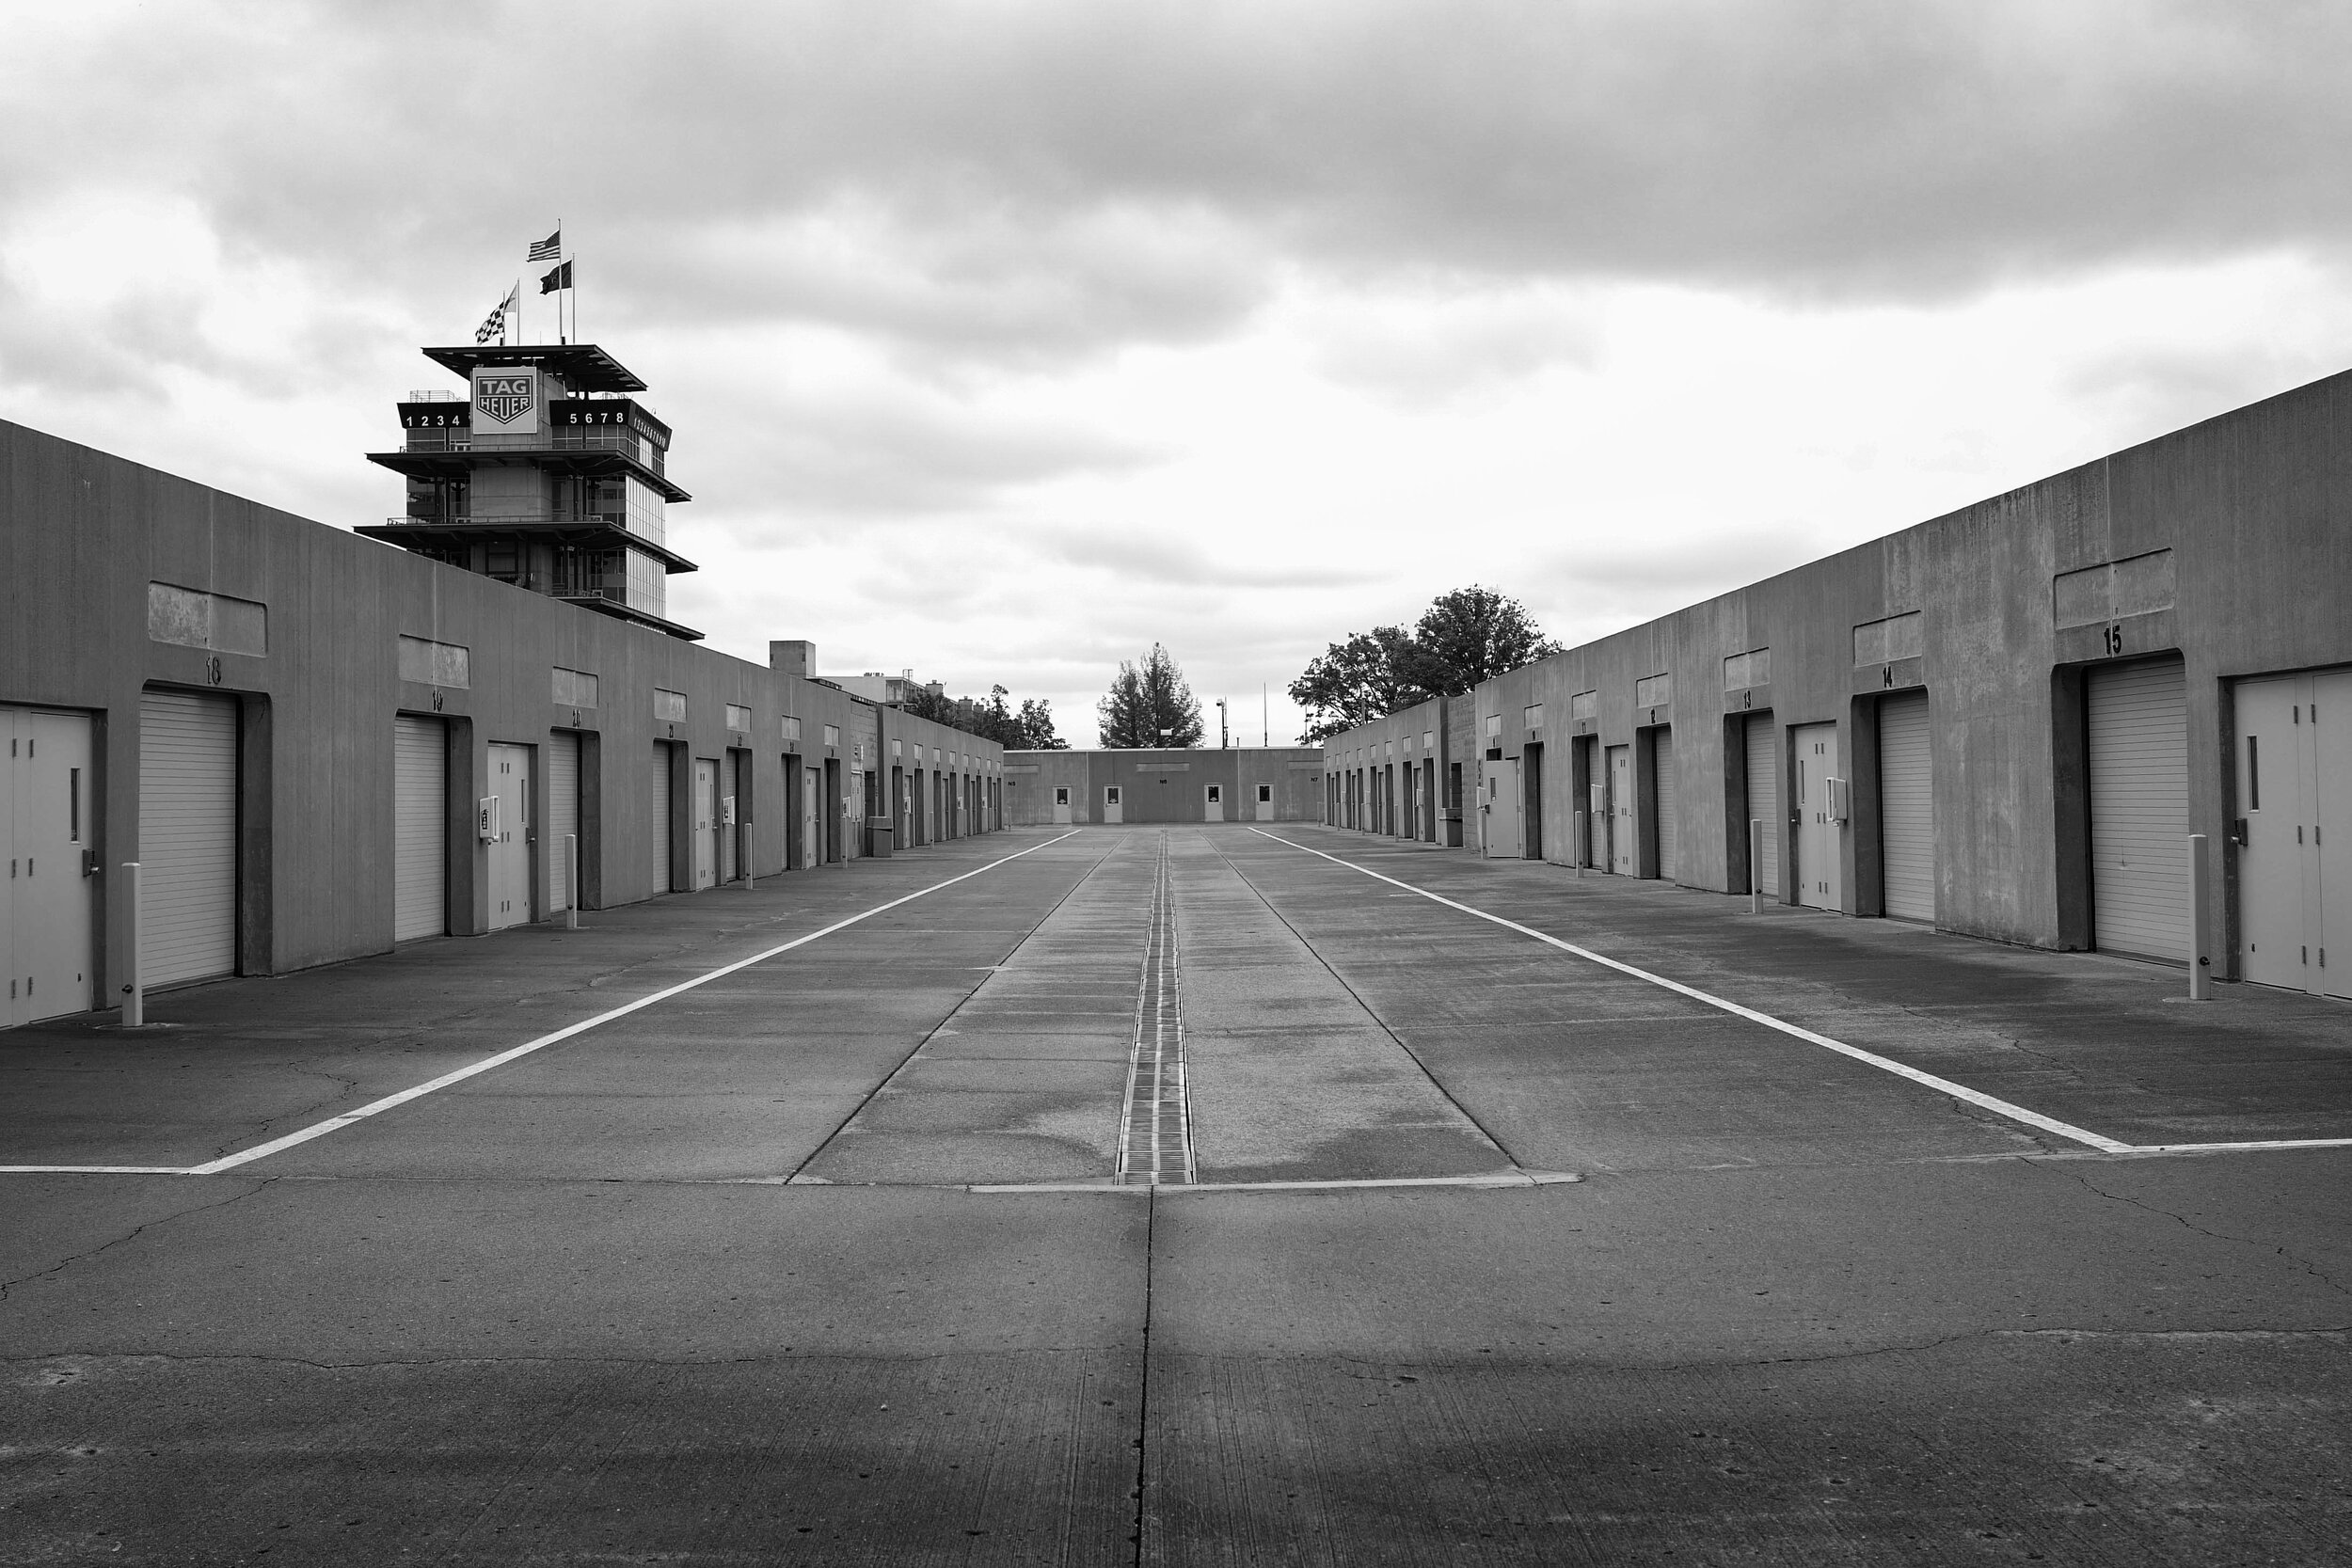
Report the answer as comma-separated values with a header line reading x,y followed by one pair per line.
x,y
1155,1139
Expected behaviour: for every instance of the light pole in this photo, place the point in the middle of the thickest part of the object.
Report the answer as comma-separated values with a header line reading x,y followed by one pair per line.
x,y
1220,724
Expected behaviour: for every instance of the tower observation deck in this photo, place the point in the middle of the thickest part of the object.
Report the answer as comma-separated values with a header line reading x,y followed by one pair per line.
x,y
546,472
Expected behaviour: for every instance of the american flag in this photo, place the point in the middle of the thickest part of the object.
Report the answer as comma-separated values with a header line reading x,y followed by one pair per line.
x,y
495,325
548,249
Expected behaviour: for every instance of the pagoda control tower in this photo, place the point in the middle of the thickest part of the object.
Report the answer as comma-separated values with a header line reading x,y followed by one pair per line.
x,y
546,472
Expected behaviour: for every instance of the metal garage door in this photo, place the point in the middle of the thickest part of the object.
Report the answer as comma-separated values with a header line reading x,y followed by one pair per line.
x,y
1763,765
1906,808
563,767
419,829
664,872
2140,809
187,836
1663,767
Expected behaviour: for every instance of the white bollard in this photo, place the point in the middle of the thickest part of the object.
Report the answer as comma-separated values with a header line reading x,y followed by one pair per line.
x,y
571,882
134,993
2199,925
1756,860
1577,843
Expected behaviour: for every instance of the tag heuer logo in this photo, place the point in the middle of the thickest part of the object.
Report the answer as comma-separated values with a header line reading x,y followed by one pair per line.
x,y
505,398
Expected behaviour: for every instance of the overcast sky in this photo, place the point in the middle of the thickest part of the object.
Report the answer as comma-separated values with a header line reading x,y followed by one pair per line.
x,y
1003,339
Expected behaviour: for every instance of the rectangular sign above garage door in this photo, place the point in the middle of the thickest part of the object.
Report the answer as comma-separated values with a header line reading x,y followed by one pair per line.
x,y
187,836
2138,732
1906,808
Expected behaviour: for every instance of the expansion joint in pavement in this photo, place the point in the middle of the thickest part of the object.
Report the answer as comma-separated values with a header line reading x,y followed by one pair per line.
x,y
1155,1125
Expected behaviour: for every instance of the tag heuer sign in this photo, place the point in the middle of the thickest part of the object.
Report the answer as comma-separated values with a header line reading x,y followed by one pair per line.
x,y
506,401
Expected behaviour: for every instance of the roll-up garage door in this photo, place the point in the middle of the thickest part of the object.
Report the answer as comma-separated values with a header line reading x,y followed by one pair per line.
x,y
187,836
1662,761
665,874
563,814
1763,767
419,829
2140,809
1906,808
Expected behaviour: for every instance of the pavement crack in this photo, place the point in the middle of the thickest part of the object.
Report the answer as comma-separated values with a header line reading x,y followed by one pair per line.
x,y
129,1236
2082,1177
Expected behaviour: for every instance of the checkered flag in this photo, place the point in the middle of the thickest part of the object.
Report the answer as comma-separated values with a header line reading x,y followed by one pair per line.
x,y
494,325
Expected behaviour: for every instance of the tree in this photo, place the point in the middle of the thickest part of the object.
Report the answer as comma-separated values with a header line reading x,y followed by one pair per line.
x,y
1149,705
1465,637
1028,729
1369,675
1474,634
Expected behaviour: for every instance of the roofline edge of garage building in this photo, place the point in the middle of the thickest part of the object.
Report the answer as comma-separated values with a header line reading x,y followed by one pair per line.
x,y
2025,706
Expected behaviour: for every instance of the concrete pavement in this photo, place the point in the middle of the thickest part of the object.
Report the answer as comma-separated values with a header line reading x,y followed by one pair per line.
x,y
709,1283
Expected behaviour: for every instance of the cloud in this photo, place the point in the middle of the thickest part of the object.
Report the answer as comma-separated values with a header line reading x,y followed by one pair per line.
x,y
1023,181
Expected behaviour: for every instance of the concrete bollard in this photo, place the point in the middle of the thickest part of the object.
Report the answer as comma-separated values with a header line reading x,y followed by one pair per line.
x,y
134,994
2200,924
1583,850
571,882
1755,860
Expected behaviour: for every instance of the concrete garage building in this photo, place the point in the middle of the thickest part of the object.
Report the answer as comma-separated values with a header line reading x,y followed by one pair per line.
x,y
1403,775
317,746
1239,784
2004,721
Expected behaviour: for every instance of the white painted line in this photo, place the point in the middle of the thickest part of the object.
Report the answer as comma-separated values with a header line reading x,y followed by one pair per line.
x,y
93,1170
1512,1178
2253,1147
1928,1080
404,1097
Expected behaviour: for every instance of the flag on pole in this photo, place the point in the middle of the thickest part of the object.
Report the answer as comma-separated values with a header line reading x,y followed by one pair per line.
x,y
547,249
560,278
494,325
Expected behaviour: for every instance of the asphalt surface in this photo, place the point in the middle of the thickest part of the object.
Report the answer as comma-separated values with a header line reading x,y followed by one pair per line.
x,y
820,1261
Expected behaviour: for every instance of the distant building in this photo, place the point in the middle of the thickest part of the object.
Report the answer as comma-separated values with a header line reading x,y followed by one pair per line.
x,y
546,472
889,690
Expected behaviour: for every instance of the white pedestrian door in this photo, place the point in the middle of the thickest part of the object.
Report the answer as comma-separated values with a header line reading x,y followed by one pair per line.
x,y
510,841
1110,804
812,789
1663,789
562,763
1499,804
2140,809
187,836
48,832
1906,808
662,845
1213,805
1618,810
419,829
1763,767
707,823
1821,863
2295,804
1061,805
1265,802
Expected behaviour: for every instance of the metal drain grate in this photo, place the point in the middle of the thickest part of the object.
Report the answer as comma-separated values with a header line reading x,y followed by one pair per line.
x,y
1155,1139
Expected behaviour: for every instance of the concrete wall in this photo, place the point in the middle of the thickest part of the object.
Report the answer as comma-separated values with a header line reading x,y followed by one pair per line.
x,y
1357,761
2250,503
1167,785
83,535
